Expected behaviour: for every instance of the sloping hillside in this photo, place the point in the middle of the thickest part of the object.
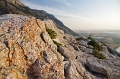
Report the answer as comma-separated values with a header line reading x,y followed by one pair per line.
x,y
59,24
16,7
35,49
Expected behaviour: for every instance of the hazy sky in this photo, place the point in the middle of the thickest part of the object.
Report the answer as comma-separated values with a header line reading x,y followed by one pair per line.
x,y
81,14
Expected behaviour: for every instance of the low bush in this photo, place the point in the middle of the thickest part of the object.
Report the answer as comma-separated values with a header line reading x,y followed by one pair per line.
x,y
64,37
96,45
117,65
97,54
58,44
52,33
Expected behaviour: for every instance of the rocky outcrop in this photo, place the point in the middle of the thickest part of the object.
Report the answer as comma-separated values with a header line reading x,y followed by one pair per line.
x,y
74,70
113,51
95,66
99,68
17,2
60,33
83,43
67,51
70,40
103,67
27,51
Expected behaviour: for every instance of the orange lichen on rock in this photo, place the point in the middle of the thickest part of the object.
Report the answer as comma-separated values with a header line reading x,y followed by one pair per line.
x,y
27,39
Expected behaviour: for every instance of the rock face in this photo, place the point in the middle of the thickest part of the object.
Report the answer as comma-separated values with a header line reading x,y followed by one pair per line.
x,y
27,51
67,51
104,67
99,68
113,51
95,66
83,43
60,33
17,2
74,70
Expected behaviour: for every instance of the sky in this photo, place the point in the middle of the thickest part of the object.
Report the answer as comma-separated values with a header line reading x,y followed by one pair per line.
x,y
81,14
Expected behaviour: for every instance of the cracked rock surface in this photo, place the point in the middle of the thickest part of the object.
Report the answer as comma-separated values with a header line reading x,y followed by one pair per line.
x,y
23,52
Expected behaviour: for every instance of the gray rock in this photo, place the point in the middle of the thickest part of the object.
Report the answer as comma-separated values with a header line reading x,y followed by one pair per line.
x,y
82,38
113,51
83,48
95,66
74,70
67,51
91,47
87,76
83,43
88,50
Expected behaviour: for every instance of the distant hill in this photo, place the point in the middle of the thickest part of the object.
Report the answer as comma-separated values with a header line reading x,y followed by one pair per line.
x,y
16,7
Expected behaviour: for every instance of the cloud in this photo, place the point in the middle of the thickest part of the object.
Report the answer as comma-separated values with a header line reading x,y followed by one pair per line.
x,y
71,19
90,14
57,12
62,1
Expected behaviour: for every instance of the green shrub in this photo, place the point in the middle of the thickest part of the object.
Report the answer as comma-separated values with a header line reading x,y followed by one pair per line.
x,y
52,33
58,44
97,54
117,65
64,37
95,44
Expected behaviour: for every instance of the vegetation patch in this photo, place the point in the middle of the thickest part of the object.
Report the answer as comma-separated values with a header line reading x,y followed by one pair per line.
x,y
52,33
97,54
58,44
117,65
97,48
64,37
96,45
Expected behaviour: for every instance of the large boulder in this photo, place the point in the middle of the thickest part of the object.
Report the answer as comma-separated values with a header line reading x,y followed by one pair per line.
x,y
72,41
95,66
27,51
83,43
74,70
113,51
67,51
46,67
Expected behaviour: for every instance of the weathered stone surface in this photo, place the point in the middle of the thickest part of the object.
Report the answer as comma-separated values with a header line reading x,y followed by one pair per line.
x,y
88,76
17,2
88,50
99,66
113,51
95,66
28,52
67,51
91,47
72,41
74,70
81,38
60,33
3,55
47,67
26,48
83,43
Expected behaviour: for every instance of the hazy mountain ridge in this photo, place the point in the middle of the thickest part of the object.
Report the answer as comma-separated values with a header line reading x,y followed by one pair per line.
x,y
16,7
59,24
